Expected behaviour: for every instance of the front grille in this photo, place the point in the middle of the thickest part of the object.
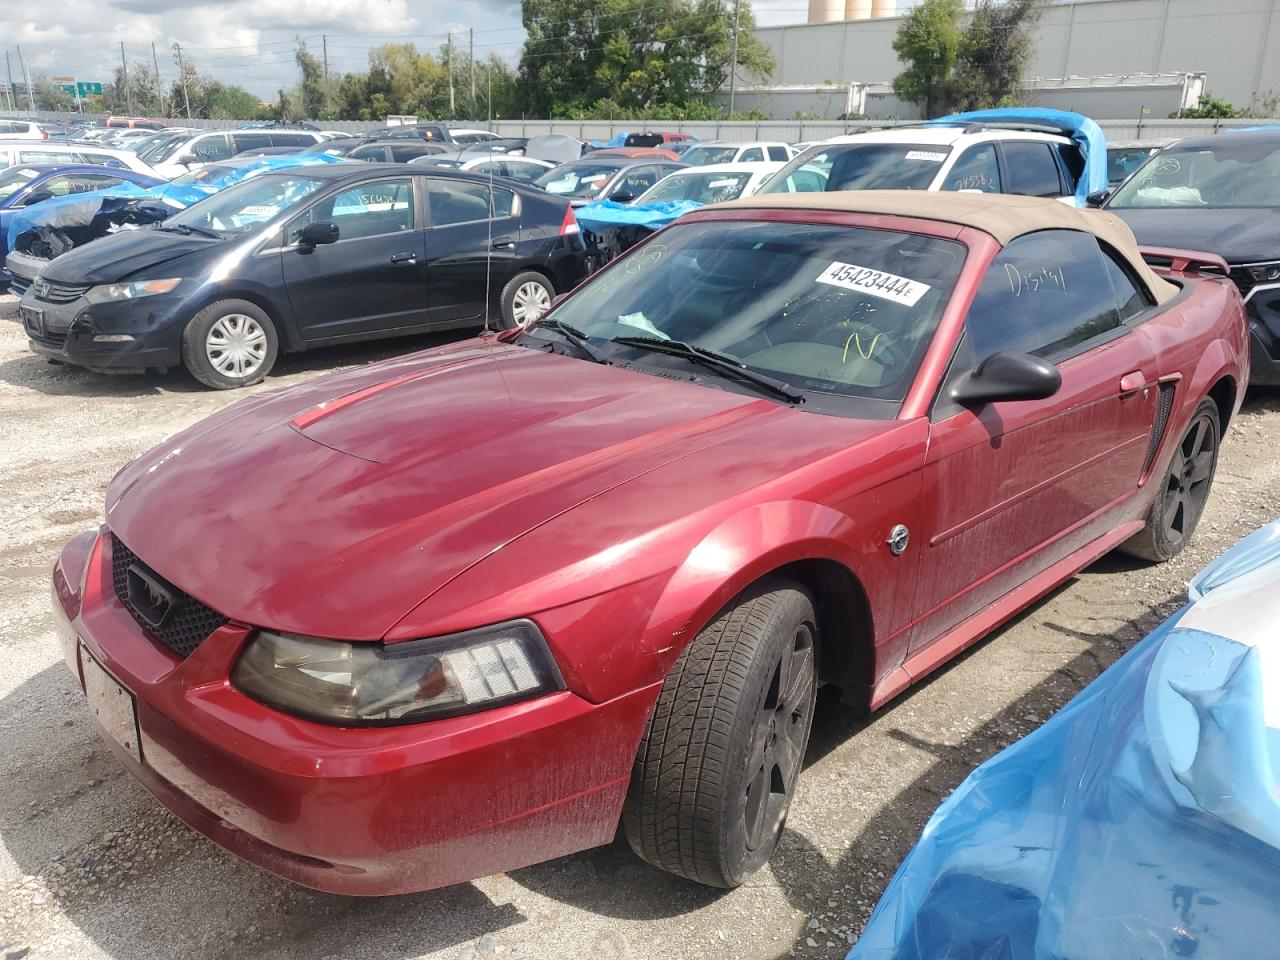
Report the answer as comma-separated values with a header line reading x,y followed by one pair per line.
x,y
51,292
1164,406
18,285
189,621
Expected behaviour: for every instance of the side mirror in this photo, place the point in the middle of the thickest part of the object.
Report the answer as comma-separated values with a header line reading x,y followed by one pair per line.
x,y
1098,197
314,234
623,196
1008,376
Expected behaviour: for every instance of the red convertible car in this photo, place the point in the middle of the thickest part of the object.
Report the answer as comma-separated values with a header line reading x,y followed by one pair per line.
x,y
466,610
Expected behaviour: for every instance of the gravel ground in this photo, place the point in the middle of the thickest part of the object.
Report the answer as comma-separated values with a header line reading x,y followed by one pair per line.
x,y
91,866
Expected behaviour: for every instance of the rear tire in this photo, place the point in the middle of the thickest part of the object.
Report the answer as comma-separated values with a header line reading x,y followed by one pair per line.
x,y
525,298
1183,490
718,763
230,344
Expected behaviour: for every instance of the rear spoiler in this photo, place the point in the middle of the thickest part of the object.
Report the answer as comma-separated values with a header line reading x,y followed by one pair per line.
x,y
1171,260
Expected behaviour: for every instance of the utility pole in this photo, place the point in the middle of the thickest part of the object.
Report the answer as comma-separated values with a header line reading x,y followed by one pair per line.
x,y
733,59
324,45
182,78
13,91
128,87
159,89
488,99
449,49
26,75
471,55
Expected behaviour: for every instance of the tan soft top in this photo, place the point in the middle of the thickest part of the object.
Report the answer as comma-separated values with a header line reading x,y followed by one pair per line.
x,y
1001,215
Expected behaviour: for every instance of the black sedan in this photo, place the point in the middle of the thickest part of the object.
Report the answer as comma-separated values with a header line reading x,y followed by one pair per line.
x,y
304,257
1219,194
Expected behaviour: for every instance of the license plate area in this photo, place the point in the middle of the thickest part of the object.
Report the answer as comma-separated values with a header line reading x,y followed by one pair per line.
x,y
32,320
111,704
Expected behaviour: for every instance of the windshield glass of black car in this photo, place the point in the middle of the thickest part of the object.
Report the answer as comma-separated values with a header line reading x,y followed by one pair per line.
x,y
842,310
247,206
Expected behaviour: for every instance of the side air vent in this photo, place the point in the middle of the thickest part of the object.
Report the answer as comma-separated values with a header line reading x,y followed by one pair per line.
x,y
1164,406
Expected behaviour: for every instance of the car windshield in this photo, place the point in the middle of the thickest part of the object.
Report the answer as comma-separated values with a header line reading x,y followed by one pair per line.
x,y
162,149
580,181
206,174
1122,161
836,310
696,187
861,166
1234,173
14,179
704,155
247,206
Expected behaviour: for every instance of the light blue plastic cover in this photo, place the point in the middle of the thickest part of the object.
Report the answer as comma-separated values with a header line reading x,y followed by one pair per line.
x,y
1141,822
1085,132
617,140
79,209
604,214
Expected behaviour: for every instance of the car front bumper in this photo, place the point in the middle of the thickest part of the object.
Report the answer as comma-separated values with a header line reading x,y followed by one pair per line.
x,y
124,335
362,811
1263,311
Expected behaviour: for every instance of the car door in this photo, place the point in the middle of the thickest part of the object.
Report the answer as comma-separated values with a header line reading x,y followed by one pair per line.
x,y
371,154
978,168
373,279
251,140
469,250
1012,487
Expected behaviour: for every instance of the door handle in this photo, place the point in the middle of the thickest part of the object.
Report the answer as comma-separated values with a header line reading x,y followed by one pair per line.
x,y
1132,382
504,244
407,256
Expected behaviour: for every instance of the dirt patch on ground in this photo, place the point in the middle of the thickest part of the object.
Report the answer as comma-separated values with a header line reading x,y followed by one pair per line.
x,y
91,866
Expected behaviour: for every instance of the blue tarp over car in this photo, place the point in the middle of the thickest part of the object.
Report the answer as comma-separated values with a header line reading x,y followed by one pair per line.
x,y
1142,821
1085,132
604,214
79,209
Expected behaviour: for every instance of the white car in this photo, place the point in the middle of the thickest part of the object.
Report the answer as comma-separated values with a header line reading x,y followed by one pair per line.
x,y
21,130
714,183
971,157
13,152
706,152
172,158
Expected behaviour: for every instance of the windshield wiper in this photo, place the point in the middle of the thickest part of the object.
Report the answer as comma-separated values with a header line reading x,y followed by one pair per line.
x,y
575,337
189,229
718,361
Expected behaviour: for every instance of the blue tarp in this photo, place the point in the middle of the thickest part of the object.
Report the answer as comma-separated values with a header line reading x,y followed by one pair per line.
x,y
1085,132
604,214
1142,821
617,140
79,209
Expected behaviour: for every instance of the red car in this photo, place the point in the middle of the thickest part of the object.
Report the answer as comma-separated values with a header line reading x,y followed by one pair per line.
x,y
466,610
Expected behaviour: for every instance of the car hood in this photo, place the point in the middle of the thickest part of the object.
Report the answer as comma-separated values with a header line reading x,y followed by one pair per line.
x,y
1238,236
119,256
335,507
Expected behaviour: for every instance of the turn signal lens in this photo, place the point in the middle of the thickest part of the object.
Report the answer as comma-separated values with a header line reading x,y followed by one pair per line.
x,y
392,683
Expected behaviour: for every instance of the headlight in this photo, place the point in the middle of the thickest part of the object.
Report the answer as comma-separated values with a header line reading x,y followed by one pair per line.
x,y
387,683
1265,272
130,291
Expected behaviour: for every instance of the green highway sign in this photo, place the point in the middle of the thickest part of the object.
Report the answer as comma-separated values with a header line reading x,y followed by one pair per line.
x,y
89,89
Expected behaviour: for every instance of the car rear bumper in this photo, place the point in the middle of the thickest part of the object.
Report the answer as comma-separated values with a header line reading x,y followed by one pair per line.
x,y
363,811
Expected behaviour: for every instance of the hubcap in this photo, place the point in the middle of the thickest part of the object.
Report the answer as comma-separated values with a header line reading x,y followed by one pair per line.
x,y
777,746
1187,485
531,301
236,345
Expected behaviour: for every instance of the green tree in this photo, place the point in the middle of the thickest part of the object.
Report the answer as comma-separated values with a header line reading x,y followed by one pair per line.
x,y
928,43
313,92
50,96
1206,108
583,56
994,53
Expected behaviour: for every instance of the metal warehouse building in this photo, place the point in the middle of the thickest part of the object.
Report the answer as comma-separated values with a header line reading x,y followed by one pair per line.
x,y
1152,43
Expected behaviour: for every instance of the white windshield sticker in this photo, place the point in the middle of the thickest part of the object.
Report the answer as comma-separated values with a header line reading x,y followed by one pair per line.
x,y
640,321
926,155
886,286
728,182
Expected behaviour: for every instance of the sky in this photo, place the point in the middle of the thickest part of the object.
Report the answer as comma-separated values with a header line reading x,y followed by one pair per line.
x,y
251,42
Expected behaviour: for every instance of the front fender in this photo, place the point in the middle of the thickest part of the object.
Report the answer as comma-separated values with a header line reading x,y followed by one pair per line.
x,y
735,554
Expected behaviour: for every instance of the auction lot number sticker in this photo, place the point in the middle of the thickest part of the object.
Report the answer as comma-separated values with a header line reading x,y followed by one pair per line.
x,y
886,286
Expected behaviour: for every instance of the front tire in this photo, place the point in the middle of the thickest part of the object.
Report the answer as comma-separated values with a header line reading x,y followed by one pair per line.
x,y
230,344
525,298
1183,490
718,763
